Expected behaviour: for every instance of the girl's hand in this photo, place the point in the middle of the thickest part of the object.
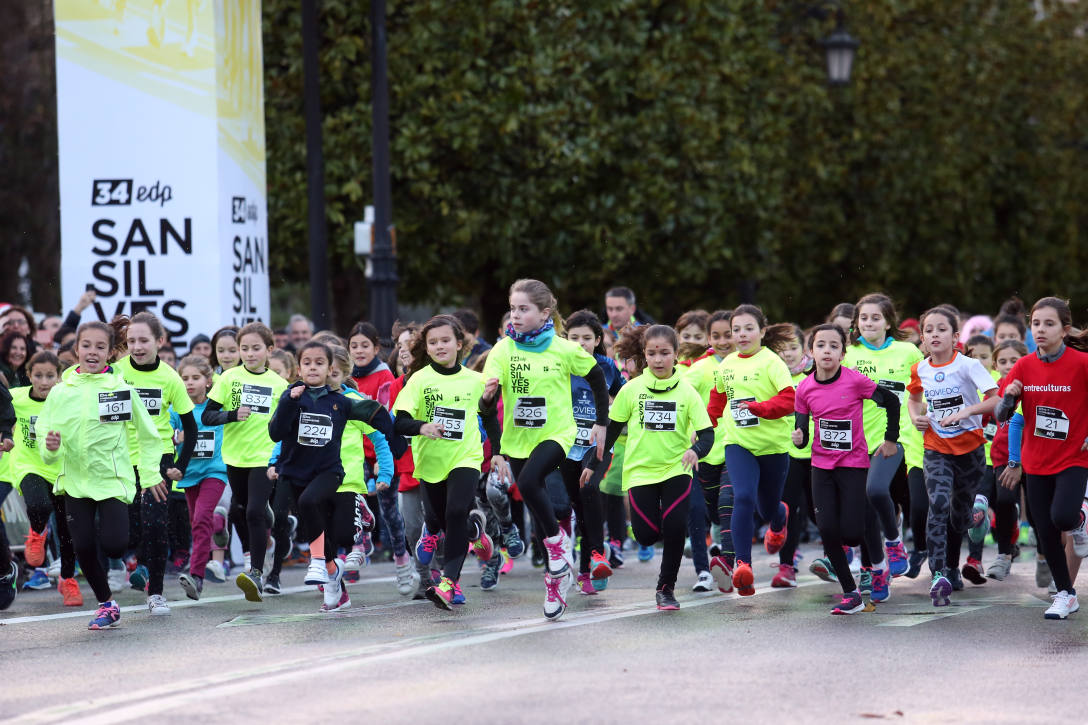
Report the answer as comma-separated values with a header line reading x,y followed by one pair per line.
x,y
6,445
174,474
1010,477
597,437
742,406
272,473
431,430
798,437
52,441
490,387
296,392
583,480
243,413
382,486
951,421
1015,388
690,460
888,449
501,467
160,491
921,422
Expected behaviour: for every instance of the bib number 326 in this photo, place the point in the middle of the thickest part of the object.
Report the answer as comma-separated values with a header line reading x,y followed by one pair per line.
x,y
530,413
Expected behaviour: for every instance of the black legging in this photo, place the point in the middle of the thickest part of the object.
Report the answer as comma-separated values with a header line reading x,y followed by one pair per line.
x,y
839,500
154,530
314,502
793,494
250,491
586,502
283,502
41,502
919,507
446,505
615,515
345,524
659,512
1004,501
111,534
530,474
1055,502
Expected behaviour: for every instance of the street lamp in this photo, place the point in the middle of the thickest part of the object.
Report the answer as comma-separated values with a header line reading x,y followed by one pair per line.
x,y
840,47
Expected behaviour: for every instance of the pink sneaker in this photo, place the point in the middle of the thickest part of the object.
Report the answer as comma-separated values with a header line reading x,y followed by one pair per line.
x,y
585,585
442,594
483,548
507,563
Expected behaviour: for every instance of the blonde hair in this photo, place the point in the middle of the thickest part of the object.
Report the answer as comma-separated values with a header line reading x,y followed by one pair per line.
x,y
201,364
287,360
342,359
541,296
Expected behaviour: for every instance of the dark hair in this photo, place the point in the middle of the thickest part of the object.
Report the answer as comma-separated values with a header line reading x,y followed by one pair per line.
x,y
887,309
399,328
67,347
226,331
700,318
9,339
718,316
1016,321
470,323
632,342
30,323
44,357
826,327
109,330
585,318
368,331
950,313
1076,339
62,332
976,340
152,322
1013,307
419,344
625,292
843,309
773,337
316,345
1011,345
119,348
260,330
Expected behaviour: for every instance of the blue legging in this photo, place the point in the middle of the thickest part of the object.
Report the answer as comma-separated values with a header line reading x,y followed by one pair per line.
x,y
757,485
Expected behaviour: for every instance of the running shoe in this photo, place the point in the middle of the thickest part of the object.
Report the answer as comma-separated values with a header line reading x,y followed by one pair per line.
x,y
722,573
785,578
821,567
615,553
704,582
1027,535
292,526
251,585
955,579
972,571
666,600
221,535
350,577
939,590
515,547
507,562
107,615
427,545
343,602
270,554
483,547
980,521
332,595
337,576
743,579
849,604
8,587
881,588
773,540
539,557
599,584
54,569
896,556
914,566
406,574
560,553
367,545
69,590
713,550
38,580
271,585
1043,577
1063,605
156,604
138,578
854,559
214,571
490,577
1079,535
1000,568
421,592
356,559
598,566
194,585
645,553
442,594
865,582
35,548
585,585
316,573
555,593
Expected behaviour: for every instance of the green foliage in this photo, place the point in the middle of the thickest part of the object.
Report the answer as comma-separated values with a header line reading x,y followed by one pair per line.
x,y
689,148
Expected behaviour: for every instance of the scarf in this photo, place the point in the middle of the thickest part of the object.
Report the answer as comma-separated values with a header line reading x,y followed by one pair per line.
x,y
884,346
535,341
362,371
805,364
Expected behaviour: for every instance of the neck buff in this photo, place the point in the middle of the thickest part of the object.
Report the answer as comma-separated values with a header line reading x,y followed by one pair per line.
x,y
805,364
535,341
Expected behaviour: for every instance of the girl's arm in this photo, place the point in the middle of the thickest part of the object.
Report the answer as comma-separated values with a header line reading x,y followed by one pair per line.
x,y
800,430
281,425
890,403
188,443
779,406
716,407
1007,407
149,446
985,407
214,414
7,420
916,406
615,429
377,417
492,428
384,456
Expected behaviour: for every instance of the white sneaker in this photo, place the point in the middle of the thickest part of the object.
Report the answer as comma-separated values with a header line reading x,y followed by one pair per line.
x,y
855,563
156,604
213,571
316,573
1080,534
1063,605
1000,568
555,593
355,560
270,554
116,579
704,582
248,564
332,595
407,578
54,570
560,553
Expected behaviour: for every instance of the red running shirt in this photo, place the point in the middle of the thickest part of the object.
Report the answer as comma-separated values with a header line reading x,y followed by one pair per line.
x,y
1055,415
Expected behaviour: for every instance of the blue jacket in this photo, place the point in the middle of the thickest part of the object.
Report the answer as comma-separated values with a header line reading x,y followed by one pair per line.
x,y
207,459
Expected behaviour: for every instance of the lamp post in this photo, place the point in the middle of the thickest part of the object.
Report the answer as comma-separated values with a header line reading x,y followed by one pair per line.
x,y
840,47
383,259
315,170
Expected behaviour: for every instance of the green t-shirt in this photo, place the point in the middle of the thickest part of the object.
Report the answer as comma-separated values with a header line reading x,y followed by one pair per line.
x,y
889,369
160,389
25,458
536,397
801,453
454,401
755,378
246,444
660,415
701,377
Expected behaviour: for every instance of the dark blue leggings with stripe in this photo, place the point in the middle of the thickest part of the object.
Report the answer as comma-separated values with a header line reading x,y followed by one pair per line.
x,y
757,488
659,512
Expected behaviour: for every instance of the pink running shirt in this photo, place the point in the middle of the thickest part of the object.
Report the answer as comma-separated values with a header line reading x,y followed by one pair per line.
x,y
836,410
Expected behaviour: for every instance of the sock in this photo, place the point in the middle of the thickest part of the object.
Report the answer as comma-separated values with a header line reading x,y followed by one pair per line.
x,y
402,559
980,499
894,542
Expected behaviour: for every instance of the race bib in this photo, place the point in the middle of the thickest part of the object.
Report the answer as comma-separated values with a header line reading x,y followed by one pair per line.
x,y
836,435
314,430
741,416
944,407
530,413
115,407
257,398
894,386
205,444
152,398
1051,423
31,433
585,428
990,431
452,421
659,415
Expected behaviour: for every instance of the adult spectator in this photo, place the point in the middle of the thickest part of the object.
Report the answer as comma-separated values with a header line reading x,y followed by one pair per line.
x,y
14,352
470,324
299,330
201,345
46,329
282,340
621,310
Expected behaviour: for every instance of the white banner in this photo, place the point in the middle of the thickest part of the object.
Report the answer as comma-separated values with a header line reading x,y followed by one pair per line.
x,y
160,114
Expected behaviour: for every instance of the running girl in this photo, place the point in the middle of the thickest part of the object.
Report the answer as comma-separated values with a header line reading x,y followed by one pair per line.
x,y
224,350
833,397
440,405
1005,457
944,404
243,400
87,421
660,411
532,366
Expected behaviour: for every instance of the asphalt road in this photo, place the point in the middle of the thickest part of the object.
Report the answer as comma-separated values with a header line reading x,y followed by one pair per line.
x,y
775,657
